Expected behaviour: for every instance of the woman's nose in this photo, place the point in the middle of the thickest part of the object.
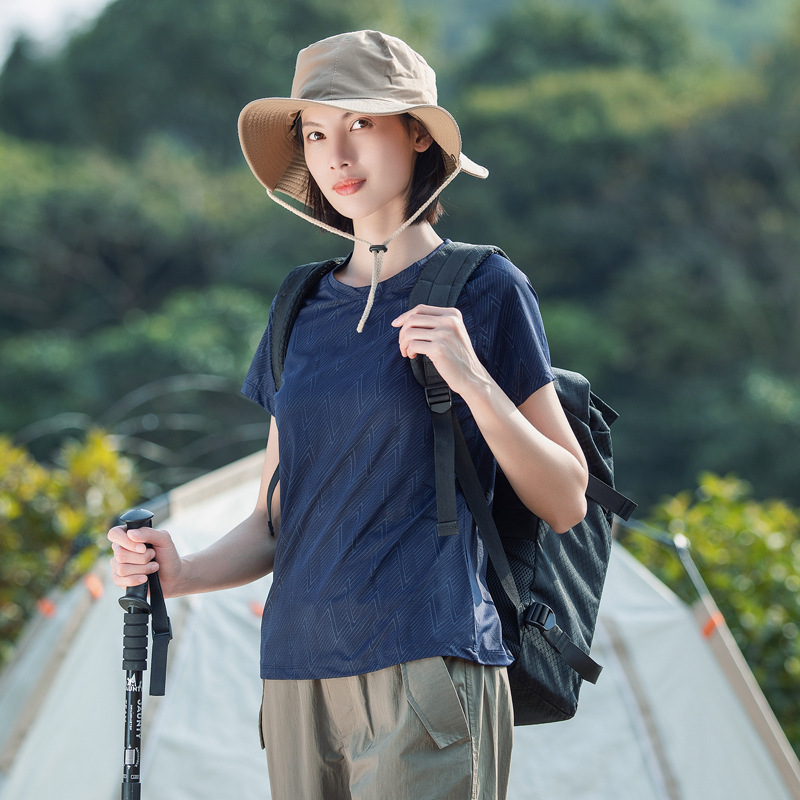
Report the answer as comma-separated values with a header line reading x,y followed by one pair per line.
x,y
341,155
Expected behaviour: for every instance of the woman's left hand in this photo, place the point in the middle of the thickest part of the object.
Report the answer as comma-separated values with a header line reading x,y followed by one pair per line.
x,y
439,333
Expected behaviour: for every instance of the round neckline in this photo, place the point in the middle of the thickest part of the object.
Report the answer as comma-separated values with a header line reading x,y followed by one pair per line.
x,y
392,283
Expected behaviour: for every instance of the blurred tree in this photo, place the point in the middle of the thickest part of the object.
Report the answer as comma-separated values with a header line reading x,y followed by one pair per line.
x,y
53,522
539,36
85,238
564,149
184,68
165,383
710,295
536,36
99,258
655,201
652,34
749,556
561,104
738,29
36,99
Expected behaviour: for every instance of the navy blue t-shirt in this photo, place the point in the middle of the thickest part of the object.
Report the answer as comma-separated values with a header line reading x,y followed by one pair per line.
x,y
362,581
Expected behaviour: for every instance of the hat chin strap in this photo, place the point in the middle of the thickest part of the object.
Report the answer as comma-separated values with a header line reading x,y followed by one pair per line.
x,y
378,250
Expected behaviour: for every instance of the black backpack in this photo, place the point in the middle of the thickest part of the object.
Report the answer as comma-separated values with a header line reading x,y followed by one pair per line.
x,y
546,586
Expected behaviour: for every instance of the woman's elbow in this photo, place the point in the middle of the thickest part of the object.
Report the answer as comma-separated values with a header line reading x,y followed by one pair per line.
x,y
571,508
570,513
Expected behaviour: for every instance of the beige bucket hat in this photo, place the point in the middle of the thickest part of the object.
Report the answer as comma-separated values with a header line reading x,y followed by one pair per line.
x,y
364,72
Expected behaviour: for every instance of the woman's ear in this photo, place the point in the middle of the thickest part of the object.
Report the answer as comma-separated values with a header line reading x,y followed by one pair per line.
x,y
420,137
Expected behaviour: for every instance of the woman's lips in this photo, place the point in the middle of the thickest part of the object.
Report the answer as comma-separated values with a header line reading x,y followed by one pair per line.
x,y
348,186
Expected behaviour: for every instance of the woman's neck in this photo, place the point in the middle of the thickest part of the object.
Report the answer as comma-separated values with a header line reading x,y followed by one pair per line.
x,y
414,243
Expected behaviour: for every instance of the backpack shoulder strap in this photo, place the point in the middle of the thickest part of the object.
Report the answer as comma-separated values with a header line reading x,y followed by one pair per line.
x,y
439,284
446,272
296,287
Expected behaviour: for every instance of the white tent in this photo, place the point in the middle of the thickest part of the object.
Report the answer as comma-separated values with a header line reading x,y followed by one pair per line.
x,y
666,720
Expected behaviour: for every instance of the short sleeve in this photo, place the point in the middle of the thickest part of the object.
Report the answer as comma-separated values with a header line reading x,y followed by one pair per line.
x,y
507,328
259,385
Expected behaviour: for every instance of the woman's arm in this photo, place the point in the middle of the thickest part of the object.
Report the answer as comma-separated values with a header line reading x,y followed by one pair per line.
x,y
536,450
243,555
533,444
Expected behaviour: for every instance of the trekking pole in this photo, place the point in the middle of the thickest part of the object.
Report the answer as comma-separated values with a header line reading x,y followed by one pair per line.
x,y
134,657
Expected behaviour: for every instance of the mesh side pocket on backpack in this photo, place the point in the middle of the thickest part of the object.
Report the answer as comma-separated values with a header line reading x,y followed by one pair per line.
x,y
543,687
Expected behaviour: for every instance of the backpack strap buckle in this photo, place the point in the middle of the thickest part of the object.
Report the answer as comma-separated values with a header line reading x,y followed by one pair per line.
x,y
439,397
540,616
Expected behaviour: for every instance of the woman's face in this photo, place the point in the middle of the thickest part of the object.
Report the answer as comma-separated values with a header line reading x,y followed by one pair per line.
x,y
363,164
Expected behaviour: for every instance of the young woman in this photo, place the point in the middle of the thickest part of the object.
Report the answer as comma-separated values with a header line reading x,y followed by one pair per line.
x,y
382,657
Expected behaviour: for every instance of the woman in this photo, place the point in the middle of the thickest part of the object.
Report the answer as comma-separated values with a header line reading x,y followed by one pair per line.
x,y
382,655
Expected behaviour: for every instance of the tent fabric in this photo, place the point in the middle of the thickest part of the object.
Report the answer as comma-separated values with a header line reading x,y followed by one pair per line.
x,y
697,743
662,722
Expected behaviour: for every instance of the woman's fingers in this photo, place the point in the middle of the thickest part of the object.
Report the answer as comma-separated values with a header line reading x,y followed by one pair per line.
x,y
440,334
127,569
133,561
131,574
136,540
119,536
126,556
427,317
424,325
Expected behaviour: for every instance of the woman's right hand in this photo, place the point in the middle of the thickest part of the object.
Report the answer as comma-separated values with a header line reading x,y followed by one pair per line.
x,y
133,561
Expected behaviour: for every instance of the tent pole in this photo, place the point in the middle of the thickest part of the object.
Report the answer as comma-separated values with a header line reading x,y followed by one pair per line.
x,y
731,661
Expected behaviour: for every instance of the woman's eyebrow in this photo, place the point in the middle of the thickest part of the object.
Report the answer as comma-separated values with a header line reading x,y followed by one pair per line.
x,y
313,124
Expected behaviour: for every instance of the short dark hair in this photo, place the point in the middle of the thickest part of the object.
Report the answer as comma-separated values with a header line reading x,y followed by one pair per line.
x,y
430,172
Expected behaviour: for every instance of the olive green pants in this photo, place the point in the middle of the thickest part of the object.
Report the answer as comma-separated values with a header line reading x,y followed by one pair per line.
x,y
435,729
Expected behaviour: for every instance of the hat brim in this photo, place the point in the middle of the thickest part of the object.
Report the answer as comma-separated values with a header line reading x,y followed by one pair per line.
x,y
271,150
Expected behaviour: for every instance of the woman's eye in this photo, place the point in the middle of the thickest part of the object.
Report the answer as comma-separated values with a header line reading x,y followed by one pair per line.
x,y
360,123
314,136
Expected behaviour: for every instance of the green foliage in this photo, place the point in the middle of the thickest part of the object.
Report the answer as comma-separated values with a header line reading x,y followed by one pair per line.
x,y
538,37
178,427
737,29
748,553
26,75
53,521
85,238
662,202
120,274
710,292
583,340
568,153
650,33
185,68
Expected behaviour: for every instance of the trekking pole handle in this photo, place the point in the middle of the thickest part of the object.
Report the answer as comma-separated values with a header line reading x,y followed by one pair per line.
x,y
136,596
